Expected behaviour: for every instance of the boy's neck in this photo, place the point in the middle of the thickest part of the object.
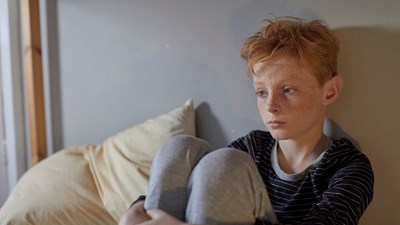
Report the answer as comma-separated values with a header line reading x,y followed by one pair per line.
x,y
294,156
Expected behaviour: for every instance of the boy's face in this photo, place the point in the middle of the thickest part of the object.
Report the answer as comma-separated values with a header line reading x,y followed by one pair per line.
x,y
290,100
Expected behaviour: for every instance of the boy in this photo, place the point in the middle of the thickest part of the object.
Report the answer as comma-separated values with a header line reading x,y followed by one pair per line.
x,y
292,174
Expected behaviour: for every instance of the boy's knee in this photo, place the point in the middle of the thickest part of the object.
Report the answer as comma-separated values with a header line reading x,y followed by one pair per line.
x,y
185,140
181,150
227,159
231,156
222,169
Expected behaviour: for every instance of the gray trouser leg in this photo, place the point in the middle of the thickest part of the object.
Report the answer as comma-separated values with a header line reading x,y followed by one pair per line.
x,y
170,172
226,188
201,186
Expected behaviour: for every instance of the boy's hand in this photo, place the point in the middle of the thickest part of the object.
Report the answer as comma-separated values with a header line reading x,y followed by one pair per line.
x,y
159,217
135,215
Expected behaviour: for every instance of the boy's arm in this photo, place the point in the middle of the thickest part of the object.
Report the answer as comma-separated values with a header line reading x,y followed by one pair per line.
x,y
348,194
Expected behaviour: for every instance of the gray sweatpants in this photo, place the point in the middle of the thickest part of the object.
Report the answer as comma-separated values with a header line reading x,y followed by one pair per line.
x,y
200,186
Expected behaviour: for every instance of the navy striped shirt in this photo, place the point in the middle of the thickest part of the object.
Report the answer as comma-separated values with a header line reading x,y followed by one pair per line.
x,y
336,190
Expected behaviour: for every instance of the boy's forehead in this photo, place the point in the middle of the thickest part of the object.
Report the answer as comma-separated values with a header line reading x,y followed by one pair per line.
x,y
282,69
281,63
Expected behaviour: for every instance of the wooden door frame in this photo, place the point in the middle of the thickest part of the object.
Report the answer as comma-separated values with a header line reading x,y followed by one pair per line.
x,y
32,59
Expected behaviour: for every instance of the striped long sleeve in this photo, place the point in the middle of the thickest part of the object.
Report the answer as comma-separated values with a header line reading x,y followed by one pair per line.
x,y
336,190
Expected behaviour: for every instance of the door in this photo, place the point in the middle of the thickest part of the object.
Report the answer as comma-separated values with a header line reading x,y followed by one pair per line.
x,y
3,153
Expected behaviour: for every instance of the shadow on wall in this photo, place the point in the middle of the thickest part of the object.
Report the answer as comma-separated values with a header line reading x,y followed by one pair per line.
x,y
369,109
335,132
369,64
54,75
208,127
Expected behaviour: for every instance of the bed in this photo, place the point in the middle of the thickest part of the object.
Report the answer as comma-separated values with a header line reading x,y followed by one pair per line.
x,y
94,184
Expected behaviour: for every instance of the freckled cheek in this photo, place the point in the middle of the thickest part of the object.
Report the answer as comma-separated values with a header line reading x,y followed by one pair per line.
x,y
262,103
262,109
305,107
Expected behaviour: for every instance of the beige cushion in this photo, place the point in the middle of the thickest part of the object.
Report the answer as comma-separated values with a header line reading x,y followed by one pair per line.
x,y
121,167
59,190
94,184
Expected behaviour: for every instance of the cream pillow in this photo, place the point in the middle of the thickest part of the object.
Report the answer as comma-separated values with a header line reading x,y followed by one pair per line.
x,y
58,190
121,167
94,184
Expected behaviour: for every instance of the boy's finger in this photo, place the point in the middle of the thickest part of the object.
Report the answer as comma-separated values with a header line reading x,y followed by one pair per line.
x,y
155,213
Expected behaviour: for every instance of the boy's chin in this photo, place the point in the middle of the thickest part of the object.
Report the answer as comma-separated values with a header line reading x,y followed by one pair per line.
x,y
278,135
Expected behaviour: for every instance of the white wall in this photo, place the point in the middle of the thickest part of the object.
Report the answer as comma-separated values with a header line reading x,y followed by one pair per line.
x,y
13,124
113,64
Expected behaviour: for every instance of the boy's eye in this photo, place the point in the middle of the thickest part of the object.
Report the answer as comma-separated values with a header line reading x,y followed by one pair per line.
x,y
288,90
262,94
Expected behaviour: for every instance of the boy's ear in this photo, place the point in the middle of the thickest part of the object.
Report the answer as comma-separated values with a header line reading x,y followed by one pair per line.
x,y
333,87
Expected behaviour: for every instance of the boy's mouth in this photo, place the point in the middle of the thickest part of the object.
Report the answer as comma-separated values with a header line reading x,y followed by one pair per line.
x,y
275,123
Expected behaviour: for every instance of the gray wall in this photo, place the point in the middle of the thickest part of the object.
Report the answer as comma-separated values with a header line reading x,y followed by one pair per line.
x,y
113,64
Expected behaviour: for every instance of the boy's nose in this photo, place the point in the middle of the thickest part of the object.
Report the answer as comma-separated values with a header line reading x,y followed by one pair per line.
x,y
273,105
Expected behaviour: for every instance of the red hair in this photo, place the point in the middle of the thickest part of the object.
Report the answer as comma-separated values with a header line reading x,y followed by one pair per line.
x,y
311,43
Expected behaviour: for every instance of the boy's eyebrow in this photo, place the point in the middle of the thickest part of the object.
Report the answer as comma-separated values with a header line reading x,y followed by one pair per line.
x,y
292,79
256,83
